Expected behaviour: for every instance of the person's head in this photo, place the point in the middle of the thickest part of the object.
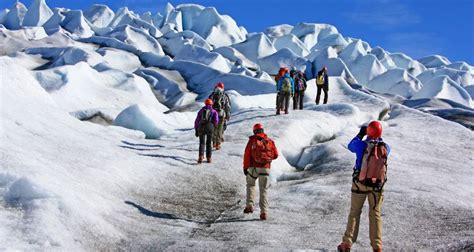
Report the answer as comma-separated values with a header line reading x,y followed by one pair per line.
x,y
258,128
293,68
220,85
208,102
325,69
374,129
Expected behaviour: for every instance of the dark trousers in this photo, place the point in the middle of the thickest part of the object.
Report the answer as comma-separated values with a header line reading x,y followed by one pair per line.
x,y
318,95
298,100
283,101
205,141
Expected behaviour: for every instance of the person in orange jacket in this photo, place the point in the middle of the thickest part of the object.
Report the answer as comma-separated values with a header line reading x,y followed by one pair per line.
x,y
259,153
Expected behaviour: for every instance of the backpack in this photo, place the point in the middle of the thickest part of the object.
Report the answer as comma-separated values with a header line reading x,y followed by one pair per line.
x,y
219,103
263,151
374,165
286,85
320,79
206,116
299,82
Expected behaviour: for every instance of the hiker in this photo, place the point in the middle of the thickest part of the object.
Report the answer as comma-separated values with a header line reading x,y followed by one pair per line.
x,y
285,90
222,105
280,74
300,86
206,121
322,83
368,180
259,153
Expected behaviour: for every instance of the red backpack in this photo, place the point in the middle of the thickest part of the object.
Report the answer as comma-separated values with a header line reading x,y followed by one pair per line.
x,y
263,151
374,165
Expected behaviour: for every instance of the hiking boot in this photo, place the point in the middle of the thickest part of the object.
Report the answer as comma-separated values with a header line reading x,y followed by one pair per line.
x,y
286,111
248,209
343,247
378,250
200,159
209,159
263,216
278,112
218,146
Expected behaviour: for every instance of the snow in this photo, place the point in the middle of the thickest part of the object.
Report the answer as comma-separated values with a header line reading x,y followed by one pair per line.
x,y
470,90
278,30
75,23
291,42
14,18
283,58
444,87
137,39
3,14
433,61
203,56
395,81
99,15
98,149
38,13
255,47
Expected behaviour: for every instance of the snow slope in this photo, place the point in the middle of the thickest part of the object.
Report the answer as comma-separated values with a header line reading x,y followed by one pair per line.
x,y
98,149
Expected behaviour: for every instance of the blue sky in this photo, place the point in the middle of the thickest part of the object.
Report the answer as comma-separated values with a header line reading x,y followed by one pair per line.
x,y
415,27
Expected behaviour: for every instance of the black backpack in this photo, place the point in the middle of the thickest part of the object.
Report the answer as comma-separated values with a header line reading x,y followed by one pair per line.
x,y
206,116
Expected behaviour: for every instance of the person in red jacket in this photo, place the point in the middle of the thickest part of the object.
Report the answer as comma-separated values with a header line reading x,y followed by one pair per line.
x,y
259,153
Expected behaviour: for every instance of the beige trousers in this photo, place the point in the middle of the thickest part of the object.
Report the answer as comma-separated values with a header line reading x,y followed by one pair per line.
x,y
375,210
262,174
218,135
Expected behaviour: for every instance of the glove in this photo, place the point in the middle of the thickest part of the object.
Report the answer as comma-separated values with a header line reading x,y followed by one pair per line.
x,y
246,172
362,132
196,132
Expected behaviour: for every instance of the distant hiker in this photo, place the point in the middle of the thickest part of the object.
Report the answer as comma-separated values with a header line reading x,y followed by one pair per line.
x,y
222,105
281,72
300,86
368,180
206,121
322,82
259,153
285,90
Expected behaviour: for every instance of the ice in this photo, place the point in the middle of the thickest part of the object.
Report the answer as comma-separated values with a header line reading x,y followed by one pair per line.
x,y
54,22
189,12
311,34
203,56
383,57
75,23
470,90
291,42
218,30
139,117
463,78
80,87
336,41
14,18
283,58
136,38
169,87
444,87
99,15
433,61
365,68
122,17
278,30
235,56
403,61
395,81
118,59
255,47
38,13
173,42
353,51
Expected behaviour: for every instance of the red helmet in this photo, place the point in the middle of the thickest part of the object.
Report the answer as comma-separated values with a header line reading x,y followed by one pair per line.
x,y
257,126
220,85
208,102
374,129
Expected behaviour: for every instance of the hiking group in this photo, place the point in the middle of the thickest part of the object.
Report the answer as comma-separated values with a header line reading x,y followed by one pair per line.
x,y
369,172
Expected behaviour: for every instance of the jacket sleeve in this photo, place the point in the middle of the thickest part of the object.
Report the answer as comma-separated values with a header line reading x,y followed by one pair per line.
x,y
247,155
326,80
228,107
278,86
198,119
356,145
388,149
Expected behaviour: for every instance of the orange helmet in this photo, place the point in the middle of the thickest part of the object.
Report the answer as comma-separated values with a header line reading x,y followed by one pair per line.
x,y
374,129
220,85
209,102
257,127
